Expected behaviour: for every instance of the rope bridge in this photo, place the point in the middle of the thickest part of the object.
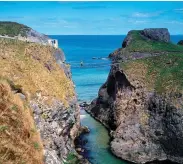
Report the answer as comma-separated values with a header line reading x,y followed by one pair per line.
x,y
91,65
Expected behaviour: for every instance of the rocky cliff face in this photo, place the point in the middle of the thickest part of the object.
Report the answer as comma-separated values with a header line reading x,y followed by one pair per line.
x,y
141,102
39,76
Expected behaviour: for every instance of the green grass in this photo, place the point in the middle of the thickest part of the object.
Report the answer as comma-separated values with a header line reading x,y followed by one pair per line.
x,y
13,29
71,159
169,72
144,45
3,128
164,73
14,108
36,145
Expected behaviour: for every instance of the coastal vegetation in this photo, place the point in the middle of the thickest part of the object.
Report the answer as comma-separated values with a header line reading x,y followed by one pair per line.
x,y
33,69
12,29
71,159
141,44
19,139
165,70
33,88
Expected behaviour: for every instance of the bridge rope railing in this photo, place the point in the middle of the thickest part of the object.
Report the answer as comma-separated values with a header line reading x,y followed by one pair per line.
x,y
92,65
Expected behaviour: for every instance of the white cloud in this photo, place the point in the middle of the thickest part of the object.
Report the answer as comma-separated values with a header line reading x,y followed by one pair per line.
x,y
137,14
179,9
138,21
146,15
175,22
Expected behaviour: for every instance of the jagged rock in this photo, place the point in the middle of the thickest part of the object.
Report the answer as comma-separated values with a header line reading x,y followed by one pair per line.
x,y
180,42
51,157
34,36
84,129
79,150
157,34
145,129
127,40
56,132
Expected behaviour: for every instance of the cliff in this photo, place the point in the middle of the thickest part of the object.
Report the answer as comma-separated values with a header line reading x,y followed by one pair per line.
x,y
39,114
141,102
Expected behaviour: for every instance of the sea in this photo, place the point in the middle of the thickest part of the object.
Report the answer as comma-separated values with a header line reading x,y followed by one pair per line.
x,y
92,51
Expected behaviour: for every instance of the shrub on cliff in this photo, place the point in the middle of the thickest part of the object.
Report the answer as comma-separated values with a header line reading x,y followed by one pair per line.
x,y
13,29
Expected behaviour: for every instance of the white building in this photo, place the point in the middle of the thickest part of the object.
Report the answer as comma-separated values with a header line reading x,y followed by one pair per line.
x,y
53,42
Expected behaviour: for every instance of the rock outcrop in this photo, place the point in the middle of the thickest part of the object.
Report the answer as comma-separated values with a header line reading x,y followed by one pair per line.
x,y
141,102
180,42
155,34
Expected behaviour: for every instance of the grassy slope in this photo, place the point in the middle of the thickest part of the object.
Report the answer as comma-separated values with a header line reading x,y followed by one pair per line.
x,y
30,68
143,45
26,64
19,140
162,73
13,29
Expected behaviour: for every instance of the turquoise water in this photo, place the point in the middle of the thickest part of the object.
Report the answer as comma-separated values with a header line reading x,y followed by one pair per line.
x,y
88,80
98,142
94,73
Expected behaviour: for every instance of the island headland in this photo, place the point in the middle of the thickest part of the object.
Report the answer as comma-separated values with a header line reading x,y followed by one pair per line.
x,y
141,102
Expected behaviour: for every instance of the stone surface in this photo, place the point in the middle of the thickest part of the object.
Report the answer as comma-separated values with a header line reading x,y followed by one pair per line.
x,y
58,125
34,36
145,127
127,40
157,34
57,132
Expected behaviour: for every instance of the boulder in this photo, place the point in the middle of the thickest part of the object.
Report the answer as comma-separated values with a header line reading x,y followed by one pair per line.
x,y
180,42
157,34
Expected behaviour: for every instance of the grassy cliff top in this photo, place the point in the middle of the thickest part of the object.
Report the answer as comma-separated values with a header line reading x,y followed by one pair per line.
x,y
13,29
162,73
142,44
32,68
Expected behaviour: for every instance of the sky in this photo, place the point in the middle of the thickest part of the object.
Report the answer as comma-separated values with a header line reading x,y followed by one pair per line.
x,y
94,18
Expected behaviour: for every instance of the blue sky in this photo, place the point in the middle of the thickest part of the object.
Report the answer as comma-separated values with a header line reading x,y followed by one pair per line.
x,y
92,18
